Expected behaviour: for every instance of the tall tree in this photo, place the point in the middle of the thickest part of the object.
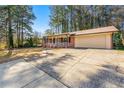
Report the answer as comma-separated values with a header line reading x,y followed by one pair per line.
x,y
17,21
73,18
10,34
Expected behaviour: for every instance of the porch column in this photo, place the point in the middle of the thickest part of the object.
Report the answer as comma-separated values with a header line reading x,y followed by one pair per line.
x,y
61,41
66,41
52,42
55,41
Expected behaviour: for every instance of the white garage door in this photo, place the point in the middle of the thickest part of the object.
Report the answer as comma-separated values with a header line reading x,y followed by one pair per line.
x,y
91,41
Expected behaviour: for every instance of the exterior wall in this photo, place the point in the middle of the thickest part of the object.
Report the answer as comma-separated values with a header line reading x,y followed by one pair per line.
x,y
109,44
72,41
102,40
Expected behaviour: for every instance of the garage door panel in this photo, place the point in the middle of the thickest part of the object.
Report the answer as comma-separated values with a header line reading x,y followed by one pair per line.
x,y
91,41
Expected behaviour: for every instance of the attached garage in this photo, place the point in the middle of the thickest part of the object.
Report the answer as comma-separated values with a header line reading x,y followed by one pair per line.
x,y
93,41
95,38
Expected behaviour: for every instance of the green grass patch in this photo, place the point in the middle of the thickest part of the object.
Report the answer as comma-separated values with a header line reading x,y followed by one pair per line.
x,y
119,48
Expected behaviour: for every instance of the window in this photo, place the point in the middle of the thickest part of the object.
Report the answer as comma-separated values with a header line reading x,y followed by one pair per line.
x,y
50,40
61,40
53,40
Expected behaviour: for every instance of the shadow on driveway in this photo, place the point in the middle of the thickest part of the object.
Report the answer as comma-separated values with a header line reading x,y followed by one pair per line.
x,y
104,78
49,65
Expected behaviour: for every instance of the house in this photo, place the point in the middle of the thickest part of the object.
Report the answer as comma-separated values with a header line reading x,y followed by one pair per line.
x,y
92,38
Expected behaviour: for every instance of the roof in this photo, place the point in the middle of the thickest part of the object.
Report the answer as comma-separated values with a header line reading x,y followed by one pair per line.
x,y
96,30
107,29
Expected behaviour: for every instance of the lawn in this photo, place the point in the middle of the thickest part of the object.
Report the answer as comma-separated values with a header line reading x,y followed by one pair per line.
x,y
6,55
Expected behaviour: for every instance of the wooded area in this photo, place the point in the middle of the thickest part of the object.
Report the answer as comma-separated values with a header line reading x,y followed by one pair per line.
x,y
16,26
68,18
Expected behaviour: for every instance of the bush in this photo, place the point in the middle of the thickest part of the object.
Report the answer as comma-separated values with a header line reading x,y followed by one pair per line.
x,y
29,43
26,45
117,41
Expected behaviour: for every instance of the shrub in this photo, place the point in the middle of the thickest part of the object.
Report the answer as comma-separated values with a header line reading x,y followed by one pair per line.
x,y
27,44
117,41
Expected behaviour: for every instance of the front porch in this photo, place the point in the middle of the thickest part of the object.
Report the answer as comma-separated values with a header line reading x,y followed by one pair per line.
x,y
58,41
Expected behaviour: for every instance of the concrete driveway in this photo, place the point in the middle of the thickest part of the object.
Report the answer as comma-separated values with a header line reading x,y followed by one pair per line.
x,y
83,67
78,68
18,73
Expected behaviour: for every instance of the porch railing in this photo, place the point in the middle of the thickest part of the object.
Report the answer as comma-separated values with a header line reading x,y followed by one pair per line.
x,y
59,45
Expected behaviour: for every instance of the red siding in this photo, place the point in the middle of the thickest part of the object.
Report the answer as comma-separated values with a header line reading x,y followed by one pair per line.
x,y
72,41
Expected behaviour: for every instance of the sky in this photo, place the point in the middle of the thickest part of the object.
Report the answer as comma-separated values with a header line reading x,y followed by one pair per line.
x,y
41,23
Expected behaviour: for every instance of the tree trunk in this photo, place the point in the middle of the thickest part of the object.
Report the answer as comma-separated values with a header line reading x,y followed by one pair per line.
x,y
22,34
6,26
10,34
17,33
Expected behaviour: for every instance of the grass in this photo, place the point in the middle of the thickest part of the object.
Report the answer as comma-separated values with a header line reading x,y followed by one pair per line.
x,y
6,55
120,48
3,53
2,45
